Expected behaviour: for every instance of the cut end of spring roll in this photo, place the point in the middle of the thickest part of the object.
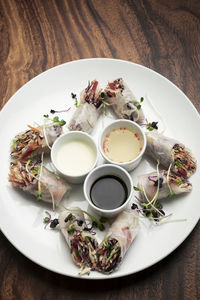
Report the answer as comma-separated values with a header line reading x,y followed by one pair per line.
x,y
35,179
123,102
117,242
81,243
171,152
34,141
169,184
87,113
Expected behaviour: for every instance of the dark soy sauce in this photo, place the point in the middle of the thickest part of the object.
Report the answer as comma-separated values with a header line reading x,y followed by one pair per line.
x,y
108,192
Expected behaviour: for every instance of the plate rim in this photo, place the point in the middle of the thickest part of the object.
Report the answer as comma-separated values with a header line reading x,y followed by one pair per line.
x,y
6,107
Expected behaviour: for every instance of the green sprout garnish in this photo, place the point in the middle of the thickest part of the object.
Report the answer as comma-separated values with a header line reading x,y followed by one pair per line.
x,y
137,189
70,228
69,217
55,121
107,245
76,103
179,182
152,126
179,164
39,196
94,221
15,141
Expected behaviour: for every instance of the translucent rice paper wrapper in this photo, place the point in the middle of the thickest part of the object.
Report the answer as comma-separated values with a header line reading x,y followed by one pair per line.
x,y
160,148
174,184
86,114
124,229
123,104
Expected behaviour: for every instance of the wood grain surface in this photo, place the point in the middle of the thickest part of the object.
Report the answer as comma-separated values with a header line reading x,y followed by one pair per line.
x,y
164,35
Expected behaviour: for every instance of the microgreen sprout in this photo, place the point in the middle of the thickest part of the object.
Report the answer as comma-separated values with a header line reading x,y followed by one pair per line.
x,y
95,222
48,220
171,193
76,102
39,195
138,104
179,182
137,189
70,228
15,141
179,164
52,111
69,217
152,126
55,121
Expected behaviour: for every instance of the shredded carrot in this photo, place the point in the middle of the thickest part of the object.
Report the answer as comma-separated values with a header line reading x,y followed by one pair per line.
x,y
34,129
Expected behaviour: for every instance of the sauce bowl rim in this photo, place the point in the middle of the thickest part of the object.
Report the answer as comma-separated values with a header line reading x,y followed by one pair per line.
x,y
115,210
122,164
64,136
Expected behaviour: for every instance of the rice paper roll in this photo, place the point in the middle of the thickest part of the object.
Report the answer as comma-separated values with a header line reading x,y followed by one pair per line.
x,y
168,152
35,141
169,184
81,243
123,102
117,242
88,111
32,177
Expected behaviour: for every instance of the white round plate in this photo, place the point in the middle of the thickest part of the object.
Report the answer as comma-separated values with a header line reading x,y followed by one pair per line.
x,y
21,216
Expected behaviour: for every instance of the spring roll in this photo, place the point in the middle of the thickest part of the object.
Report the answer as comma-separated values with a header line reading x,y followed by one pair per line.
x,y
34,141
171,152
169,184
124,103
116,243
88,111
81,243
32,177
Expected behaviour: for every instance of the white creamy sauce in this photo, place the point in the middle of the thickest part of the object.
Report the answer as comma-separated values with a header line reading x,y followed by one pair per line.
x,y
122,145
75,157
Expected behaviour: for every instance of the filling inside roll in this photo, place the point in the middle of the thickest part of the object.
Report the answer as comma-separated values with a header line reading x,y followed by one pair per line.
x,y
92,94
83,250
32,140
109,255
79,239
113,87
183,162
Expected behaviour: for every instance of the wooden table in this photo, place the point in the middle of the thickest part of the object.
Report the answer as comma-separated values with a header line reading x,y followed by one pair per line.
x,y
161,34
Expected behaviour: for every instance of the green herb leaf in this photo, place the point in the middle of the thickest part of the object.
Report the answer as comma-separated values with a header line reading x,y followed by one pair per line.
x,y
76,102
62,122
70,228
45,116
56,119
39,197
46,219
87,239
137,189
15,141
69,217
179,182
107,245
179,164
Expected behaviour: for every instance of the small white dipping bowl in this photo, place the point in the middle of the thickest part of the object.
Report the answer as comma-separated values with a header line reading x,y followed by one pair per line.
x,y
101,171
81,138
132,164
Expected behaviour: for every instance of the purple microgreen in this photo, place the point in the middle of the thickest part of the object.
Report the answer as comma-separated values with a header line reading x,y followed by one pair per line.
x,y
52,111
